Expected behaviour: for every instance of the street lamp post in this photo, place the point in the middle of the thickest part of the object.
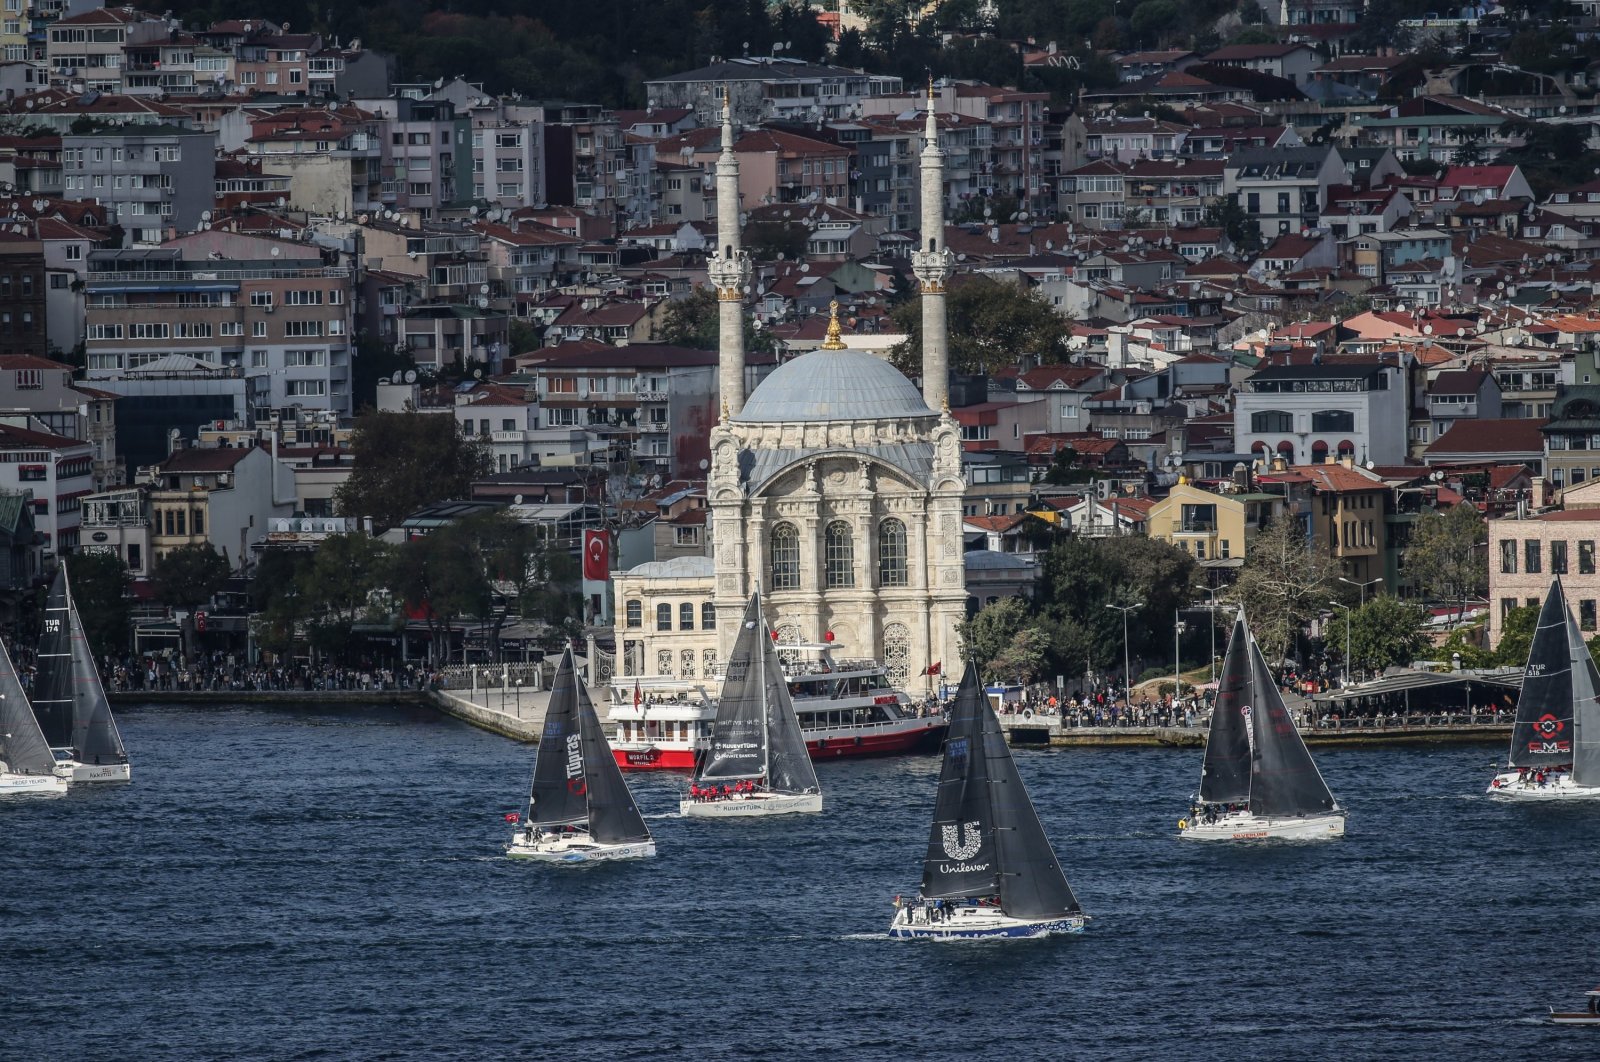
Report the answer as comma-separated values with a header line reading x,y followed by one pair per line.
x,y
1127,667
1177,656
1346,608
1213,610
1363,586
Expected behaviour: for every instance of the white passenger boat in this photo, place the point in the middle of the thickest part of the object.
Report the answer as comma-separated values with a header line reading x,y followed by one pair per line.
x,y
1590,1016
1555,740
1257,780
756,763
27,767
989,869
69,698
579,806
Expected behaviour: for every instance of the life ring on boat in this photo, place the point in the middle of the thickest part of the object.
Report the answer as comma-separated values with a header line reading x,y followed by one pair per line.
x,y
1027,713
1495,784
1183,824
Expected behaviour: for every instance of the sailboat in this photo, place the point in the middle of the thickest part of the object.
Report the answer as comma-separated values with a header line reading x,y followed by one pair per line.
x,y
990,870
1555,741
756,762
27,767
579,808
1258,780
69,698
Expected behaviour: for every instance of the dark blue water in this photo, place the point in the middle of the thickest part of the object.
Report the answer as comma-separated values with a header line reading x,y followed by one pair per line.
x,y
328,885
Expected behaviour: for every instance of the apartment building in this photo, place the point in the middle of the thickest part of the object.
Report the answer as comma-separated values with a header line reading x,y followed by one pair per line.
x,y
333,156
176,64
1283,189
224,497
88,48
55,473
1307,413
771,88
1526,554
43,392
22,294
148,178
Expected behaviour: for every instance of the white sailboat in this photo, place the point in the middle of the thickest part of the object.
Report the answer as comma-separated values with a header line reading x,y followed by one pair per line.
x,y
756,762
579,808
70,700
1257,781
1555,741
989,870
27,767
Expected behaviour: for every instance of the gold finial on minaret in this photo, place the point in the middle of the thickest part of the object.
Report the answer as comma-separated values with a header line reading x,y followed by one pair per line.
x,y
945,405
930,89
833,342
724,411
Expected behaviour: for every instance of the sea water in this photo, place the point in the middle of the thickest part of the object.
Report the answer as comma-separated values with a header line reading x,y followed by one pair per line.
x,y
329,884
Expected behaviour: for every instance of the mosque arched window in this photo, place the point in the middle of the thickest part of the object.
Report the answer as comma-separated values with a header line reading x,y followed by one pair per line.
x,y
686,616
785,557
708,616
891,553
663,617
838,556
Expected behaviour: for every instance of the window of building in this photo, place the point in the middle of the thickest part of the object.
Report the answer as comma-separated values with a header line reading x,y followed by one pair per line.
x,y
1333,420
1271,420
708,620
1558,558
635,613
839,556
891,553
1508,556
785,557
686,616
1531,562
1586,557
663,617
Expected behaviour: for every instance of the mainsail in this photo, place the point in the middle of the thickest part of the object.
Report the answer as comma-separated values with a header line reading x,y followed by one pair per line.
x,y
789,767
1543,733
739,734
53,684
986,838
23,749
95,738
613,816
1225,772
558,794
1283,778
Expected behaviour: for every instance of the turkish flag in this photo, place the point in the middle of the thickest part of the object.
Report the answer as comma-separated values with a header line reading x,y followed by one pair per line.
x,y
934,668
597,555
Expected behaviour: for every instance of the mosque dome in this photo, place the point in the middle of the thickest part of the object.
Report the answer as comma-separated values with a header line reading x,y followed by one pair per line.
x,y
834,385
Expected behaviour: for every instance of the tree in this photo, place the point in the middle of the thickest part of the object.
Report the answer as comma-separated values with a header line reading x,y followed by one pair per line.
x,y
1516,636
694,321
992,324
336,588
1024,658
1232,219
1282,585
100,591
985,635
1443,557
442,575
189,576
275,597
1387,632
374,362
404,461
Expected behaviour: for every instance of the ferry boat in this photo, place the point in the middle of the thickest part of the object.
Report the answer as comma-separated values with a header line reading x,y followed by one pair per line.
x,y
846,708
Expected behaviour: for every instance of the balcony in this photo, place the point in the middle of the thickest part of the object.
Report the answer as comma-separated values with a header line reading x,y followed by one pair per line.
x,y
652,396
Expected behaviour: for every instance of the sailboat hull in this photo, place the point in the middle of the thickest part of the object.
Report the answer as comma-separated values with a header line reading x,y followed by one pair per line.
x,y
752,805
73,771
978,923
31,785
576,848
1508,786
1243,826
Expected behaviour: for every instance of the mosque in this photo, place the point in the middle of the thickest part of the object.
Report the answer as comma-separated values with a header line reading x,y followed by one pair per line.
x,y
836,488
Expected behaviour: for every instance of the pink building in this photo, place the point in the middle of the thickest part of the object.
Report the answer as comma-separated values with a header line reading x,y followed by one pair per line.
x,y
1524,555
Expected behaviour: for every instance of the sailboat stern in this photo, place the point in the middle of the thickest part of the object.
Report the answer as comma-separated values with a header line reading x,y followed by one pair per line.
x,y
1244,826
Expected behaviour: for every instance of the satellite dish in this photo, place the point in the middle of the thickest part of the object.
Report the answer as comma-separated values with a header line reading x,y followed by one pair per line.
x,y
281,200
477,374
205,215
1427,329
483,302
516,499
704,464
398,374
411,376
1370,465
276,251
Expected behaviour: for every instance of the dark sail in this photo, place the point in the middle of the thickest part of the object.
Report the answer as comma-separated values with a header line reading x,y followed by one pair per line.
x,y
1283,778
53,682
1032,884
1585,709
1225,772
738,748
95,739
962,858
22,746
613,816
789,767
1543,733
558,797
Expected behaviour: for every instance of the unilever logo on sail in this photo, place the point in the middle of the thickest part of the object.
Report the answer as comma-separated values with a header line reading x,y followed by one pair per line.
x,y
961,841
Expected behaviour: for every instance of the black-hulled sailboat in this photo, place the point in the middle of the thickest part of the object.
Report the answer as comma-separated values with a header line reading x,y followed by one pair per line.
x,y
1555,741
990,870
69,698
27,767
756,762
579,808
1258,780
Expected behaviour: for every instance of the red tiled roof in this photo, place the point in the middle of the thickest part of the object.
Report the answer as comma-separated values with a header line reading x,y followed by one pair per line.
x,y
1491,436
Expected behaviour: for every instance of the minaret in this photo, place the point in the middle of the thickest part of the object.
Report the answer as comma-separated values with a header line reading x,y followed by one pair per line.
x,y
729,270
932,263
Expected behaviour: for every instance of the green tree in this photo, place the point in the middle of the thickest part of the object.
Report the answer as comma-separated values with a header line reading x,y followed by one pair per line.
x,y
1283,584
189,576
336,588
992,324
1516,636
275,597
442,574
1444,559
693,322
404,461
1463,642
374,362
1387,632
1023,659
100,591
771,240
1241,229
985,636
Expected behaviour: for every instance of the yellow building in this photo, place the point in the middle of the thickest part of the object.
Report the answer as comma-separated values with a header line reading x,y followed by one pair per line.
x,y
1216,529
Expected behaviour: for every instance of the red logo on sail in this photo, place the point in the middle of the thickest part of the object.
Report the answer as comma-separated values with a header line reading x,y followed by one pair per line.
x,y
1547,728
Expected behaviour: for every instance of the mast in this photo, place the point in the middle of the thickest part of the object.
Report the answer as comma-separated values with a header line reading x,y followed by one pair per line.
x,y
23,749
1542,735
1225,770
558,794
